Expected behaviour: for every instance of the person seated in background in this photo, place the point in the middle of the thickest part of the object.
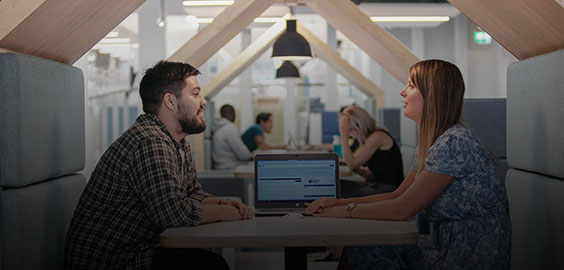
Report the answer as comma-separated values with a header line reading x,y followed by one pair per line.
x,y
146,182
228,150
377,159
254,136
453,185
329,146
373,154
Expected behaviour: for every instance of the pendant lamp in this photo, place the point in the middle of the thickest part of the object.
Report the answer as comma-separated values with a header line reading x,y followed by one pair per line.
x,y
287,70
291,45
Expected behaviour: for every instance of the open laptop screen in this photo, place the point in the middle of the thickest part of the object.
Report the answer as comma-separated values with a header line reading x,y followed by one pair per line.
x,y
296,178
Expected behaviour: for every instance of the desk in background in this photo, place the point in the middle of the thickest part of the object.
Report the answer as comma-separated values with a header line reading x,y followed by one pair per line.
x,y
248,171
294,234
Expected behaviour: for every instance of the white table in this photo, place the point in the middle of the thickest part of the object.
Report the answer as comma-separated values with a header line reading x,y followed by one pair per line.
x,y
295,234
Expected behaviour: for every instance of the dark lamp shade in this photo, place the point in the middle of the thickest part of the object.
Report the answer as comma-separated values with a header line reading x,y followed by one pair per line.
x,y
287,70
291,45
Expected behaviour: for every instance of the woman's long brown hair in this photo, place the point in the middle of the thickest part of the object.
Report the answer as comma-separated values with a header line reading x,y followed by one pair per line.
x,y
442,87
362,120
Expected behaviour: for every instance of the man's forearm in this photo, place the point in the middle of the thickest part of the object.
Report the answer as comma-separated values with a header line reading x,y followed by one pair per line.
x,y
210,200
267,146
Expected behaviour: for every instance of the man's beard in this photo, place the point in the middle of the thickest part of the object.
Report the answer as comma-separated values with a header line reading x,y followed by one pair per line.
x,y
189,125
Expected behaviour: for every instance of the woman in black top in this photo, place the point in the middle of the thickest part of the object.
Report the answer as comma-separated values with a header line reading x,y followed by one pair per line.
x,y
378,158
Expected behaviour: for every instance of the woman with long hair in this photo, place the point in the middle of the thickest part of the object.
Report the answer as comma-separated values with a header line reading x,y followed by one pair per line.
x,y
452,184
378,156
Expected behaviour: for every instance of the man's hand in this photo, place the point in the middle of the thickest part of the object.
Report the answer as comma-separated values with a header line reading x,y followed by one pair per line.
x,y
228,213
244,211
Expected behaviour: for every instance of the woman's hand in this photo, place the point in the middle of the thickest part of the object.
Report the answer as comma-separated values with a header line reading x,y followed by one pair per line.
x,y
320,204
344,125
334,212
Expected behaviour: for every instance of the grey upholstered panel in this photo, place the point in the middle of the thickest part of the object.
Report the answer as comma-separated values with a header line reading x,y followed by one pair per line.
x,y
408,158
408,131
535,115
537,218
390,118
42,119
487,118
35,220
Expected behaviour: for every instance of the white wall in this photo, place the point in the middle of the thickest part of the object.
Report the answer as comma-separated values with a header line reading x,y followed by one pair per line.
x,y
486,64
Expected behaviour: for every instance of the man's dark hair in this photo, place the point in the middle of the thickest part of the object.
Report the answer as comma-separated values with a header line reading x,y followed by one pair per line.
x,y
164,77
228,112
263,117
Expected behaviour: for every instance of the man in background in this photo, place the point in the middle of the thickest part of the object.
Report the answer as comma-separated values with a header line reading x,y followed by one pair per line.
x,y
254,136
228,150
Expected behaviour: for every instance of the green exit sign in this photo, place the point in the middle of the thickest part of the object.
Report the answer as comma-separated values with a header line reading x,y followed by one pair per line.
x,y
482,38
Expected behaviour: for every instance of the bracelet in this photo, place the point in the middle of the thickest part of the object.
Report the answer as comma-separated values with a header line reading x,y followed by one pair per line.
x,y
350,208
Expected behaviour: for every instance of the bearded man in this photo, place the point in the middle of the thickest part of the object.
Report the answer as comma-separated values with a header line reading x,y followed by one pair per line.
x,y
146,182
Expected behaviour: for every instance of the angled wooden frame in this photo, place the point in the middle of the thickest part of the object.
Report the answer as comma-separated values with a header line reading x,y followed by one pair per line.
x,y
525,28
224,27
60,30
243,60
333,59
376,41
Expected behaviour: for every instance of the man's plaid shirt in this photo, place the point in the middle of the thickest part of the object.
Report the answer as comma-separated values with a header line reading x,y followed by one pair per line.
x,y
144,183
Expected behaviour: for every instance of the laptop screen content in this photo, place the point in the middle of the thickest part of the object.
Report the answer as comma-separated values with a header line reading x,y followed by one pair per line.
x,y
295,180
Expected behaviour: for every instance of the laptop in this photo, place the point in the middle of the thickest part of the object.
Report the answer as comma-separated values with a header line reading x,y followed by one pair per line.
x,y
285,182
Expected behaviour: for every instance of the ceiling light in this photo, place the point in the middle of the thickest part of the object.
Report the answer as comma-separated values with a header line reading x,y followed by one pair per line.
x,y
114,41
291,45
161,20
268,19
112,34
287,70
112,46
207,3
204,20
256,20
410,18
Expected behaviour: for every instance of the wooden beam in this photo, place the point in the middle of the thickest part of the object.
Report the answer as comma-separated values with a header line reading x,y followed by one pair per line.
x,y
339,64
13,12
525,28
384,48
60,30
244,60
224,27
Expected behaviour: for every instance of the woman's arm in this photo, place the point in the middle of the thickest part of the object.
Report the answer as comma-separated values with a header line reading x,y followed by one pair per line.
x,y
364,152
419,194
322,203
407,182
263,145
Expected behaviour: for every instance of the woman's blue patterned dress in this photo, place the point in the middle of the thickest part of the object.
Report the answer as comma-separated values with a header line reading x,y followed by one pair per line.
x,y
470,225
